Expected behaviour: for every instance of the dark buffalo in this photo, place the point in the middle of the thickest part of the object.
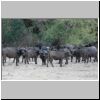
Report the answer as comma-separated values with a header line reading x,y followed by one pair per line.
x,y
11,52
25,55
67,53
30,53
71,49
44,54
33,52
77,53
88,52
57,55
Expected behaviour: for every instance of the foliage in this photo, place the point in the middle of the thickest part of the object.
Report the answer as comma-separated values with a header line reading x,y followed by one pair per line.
x,y
27,32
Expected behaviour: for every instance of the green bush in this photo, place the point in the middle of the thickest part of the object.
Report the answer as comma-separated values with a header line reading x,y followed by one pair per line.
x,y
74,31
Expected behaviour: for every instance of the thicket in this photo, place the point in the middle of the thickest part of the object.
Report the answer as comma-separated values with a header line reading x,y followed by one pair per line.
x,y
28,32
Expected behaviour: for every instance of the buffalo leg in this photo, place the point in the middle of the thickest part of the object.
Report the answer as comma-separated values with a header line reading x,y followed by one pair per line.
x,y
87,59
61,63
51,60
95,59
35,60
47,61
4,58
71,58
44,61
17,61
78,59
66,61
84,60
90,59
32,59
27,59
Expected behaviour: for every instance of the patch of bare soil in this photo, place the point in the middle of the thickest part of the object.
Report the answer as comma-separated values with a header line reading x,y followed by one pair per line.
x,y
32,71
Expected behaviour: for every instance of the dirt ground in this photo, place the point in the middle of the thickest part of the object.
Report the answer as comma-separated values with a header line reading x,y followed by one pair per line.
x,y
32,71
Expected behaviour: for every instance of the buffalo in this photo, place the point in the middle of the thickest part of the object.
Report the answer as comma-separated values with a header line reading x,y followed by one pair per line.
x,y
58,55
30,53
44,54
88,52
11,52
71,49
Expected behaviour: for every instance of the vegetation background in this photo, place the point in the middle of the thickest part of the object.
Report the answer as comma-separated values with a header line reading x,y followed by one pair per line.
x,y
28,32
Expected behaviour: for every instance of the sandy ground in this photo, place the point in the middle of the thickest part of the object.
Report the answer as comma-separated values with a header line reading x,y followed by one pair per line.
x,y
72,71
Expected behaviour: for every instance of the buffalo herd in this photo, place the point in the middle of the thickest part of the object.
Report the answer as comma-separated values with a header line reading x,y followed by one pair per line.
x,y
47,54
